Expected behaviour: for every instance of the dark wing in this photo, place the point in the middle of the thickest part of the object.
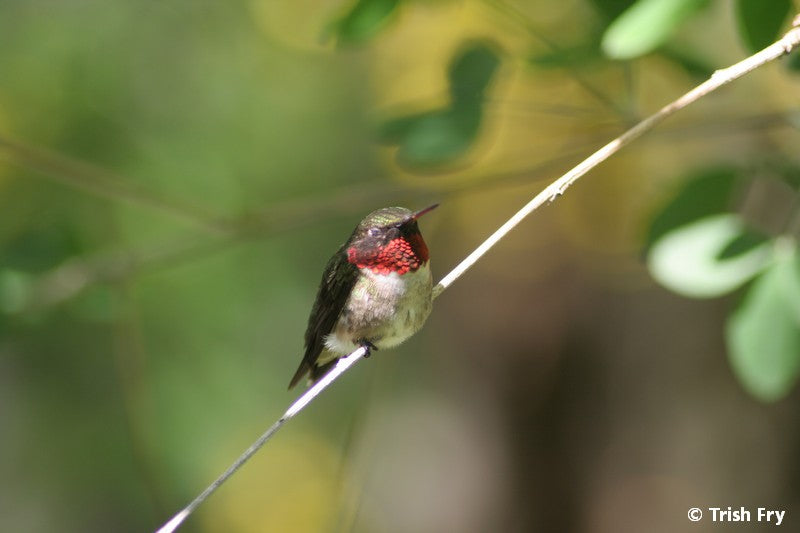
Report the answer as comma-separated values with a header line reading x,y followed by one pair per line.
x,y
333,292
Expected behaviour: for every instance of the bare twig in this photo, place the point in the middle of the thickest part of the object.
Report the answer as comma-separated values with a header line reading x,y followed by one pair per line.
x,y
343,364
785,45
69,279
557,188
90,178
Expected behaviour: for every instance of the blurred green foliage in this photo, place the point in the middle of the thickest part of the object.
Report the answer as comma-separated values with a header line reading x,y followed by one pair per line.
x,y
642,26
646,25
611,9
700,246
691,260
436,138
760,23
364,20
704,193
763,335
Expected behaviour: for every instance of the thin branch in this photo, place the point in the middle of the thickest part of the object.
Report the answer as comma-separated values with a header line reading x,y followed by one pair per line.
x,y
95,180
557,188
69,279
74,276
785,45
343,364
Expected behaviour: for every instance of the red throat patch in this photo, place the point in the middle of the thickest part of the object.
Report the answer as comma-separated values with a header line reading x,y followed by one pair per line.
x,y
399,255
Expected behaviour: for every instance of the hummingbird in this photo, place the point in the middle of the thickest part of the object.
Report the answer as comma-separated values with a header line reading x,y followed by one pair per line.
x,y
375,291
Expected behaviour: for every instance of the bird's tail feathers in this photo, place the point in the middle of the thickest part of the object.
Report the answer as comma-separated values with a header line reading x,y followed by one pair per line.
x,y
302,370
316,371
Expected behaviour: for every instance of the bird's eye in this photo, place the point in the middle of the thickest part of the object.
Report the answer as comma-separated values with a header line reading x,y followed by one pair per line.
x,y
374,232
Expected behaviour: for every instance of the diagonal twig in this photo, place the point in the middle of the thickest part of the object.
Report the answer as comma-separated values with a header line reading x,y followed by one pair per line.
x,y
722,77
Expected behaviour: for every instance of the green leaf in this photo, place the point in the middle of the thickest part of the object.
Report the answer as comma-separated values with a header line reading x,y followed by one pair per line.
x,y
763,335
395,130
470,73
687,260
646,25
742,243
611,9
440,137
760,21
364,20
707,193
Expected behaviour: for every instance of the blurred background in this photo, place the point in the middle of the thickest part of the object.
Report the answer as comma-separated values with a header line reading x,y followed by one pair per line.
x,y
174,176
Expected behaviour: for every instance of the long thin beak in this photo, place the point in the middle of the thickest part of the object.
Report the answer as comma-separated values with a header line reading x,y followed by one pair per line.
x,y
421,212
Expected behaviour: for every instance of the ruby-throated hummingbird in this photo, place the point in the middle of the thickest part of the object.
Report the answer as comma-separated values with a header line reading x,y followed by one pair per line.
x,y
375,291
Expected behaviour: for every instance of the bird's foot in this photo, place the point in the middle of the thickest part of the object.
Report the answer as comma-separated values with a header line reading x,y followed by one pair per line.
x,y
364,343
